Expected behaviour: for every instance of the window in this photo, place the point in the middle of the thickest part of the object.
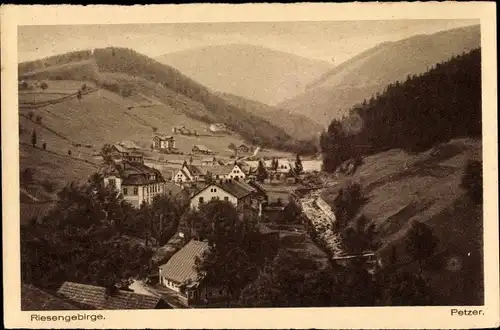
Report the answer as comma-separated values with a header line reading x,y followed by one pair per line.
x,y
200,200
136,191
214,198
226,199
112,183
125,191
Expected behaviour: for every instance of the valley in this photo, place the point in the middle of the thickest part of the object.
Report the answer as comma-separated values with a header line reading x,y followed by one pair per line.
x,y
301,176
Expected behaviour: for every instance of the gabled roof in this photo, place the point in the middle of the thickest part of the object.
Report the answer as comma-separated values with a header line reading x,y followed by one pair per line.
x,y
194,170
120,148
220,170
201,147
128,144
181,266
238,189
132,173
35,299
98,298
164,137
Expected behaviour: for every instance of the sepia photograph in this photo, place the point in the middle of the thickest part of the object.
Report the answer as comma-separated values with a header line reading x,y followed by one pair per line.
x,y
250,165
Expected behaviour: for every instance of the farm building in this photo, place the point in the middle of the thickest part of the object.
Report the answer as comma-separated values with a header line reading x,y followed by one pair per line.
x,y
198,148
219,172
210,161
243,148
217,128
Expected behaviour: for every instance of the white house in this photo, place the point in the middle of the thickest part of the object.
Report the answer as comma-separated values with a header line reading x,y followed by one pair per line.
x,y
188,173
180,275
236,172
162,142
236,192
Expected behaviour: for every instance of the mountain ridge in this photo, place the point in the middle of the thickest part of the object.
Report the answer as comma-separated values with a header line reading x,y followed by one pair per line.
x,y
369,72
254,72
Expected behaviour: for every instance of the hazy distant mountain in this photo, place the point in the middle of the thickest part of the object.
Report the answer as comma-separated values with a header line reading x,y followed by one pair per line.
x,y
359,78
254,72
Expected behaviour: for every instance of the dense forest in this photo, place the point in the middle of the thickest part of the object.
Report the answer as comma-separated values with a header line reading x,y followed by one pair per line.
x,y
439,105
254,129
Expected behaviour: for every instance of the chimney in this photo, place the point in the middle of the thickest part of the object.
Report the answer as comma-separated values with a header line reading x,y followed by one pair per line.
x,y
111,290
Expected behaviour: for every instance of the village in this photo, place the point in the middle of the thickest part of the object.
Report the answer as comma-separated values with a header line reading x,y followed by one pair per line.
x,y
263,187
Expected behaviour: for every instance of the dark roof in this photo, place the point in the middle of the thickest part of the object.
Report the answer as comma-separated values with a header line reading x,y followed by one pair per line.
x,y
120,148
129,144
201,147
220,170
35,299
238,189
98,298
164,137
193,169
132,173
181,266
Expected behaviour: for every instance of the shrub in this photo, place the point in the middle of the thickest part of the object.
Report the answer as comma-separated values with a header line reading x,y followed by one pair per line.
x,y
472,180
27,175
30,115
48,185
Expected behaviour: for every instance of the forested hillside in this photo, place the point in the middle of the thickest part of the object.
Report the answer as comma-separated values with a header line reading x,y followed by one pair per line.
x,y
295,124
106,64
414,115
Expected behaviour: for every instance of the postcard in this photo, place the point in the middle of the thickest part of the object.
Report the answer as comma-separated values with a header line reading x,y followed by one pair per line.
x,y
272,166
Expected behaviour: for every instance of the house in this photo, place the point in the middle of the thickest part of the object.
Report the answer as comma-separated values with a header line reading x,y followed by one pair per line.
x,y
137,182
36,299
188,173
243,148
219,172
163,142
102,298
240,194
198,148
237,172
179,274
210,161
130,145
117,152
217,128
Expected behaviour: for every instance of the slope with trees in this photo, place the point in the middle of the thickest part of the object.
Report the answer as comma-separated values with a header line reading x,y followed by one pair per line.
x,y
331,96
414,115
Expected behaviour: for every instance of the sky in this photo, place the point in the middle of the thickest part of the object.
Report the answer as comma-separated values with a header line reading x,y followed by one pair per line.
x,y
333,41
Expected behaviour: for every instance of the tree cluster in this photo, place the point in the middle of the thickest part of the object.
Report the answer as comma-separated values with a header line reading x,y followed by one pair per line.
x,y
236,248
293,279
93,236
